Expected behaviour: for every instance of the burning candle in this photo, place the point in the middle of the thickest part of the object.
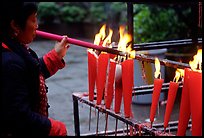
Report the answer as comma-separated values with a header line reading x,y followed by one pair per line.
x,y
92,66
109,88
101,76
195,93
173,87
125,38
184,113
127,84
156,90
191,100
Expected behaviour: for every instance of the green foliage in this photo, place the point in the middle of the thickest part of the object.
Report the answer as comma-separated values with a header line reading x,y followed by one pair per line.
x,y
71,13
97,12
157,24
92,12
47,11
119,8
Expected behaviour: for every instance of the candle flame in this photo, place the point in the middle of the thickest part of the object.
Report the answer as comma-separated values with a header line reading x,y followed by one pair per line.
x,y
107,41
196,64
101,35
157,67
125,38
131,52
179,73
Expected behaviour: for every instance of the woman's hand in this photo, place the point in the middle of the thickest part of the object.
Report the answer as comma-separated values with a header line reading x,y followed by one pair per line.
x,y
62,46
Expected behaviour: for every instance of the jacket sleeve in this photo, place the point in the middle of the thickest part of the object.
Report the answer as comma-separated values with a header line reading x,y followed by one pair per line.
x,y
17,110
51,63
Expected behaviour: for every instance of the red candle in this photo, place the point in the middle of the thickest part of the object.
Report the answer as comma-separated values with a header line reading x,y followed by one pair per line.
x,y
109,89
118,89
127,84
191,100
184,113
101,76
155,97
92,62
156,90
195,94
173,87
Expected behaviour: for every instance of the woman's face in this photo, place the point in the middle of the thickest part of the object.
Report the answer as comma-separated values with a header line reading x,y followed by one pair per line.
x,y
28,34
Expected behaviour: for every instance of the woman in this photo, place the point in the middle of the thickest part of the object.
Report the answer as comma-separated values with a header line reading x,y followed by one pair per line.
x,y
24,107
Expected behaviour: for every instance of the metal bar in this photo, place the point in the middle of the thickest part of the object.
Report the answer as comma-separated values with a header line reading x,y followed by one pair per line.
x,y
76,115
97,123
171,123
152,86
116,126
165,62
130,20
90,118
148,89
166,44
106,124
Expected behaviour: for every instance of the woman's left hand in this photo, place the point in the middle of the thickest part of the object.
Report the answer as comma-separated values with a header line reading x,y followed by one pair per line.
x,y
62,46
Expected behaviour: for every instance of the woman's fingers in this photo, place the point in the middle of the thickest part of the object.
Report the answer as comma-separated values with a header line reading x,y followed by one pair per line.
x,y
64,41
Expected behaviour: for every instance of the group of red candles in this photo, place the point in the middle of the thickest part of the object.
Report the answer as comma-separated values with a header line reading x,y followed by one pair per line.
x,y
102,73
191,101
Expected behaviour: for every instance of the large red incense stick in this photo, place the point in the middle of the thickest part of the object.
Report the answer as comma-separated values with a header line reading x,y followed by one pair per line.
x,y
155,98
101,76
118,89
173,87
127,82
78,42
109,90
195,94
184,113
92,66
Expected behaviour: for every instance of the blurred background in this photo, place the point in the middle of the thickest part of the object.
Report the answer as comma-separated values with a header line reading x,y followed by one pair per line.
x,y
82,20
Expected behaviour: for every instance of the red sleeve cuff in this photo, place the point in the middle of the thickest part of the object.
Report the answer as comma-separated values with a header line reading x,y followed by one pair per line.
x,y
53,62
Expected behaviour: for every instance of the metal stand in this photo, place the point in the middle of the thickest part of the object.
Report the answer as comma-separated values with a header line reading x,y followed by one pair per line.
x,y
140,127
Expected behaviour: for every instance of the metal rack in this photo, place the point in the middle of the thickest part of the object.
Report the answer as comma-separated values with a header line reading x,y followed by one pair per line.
x,y
141,128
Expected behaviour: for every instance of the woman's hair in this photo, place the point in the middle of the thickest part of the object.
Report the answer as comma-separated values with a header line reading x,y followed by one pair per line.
x,y
17,11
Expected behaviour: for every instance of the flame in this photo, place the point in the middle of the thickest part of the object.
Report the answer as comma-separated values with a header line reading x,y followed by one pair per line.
x,y
125,38
196,64
157,67
101,35
107,41
131,52
179,73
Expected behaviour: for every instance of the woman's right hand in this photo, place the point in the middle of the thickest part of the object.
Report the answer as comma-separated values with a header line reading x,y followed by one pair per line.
x,y
57,128
61,47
